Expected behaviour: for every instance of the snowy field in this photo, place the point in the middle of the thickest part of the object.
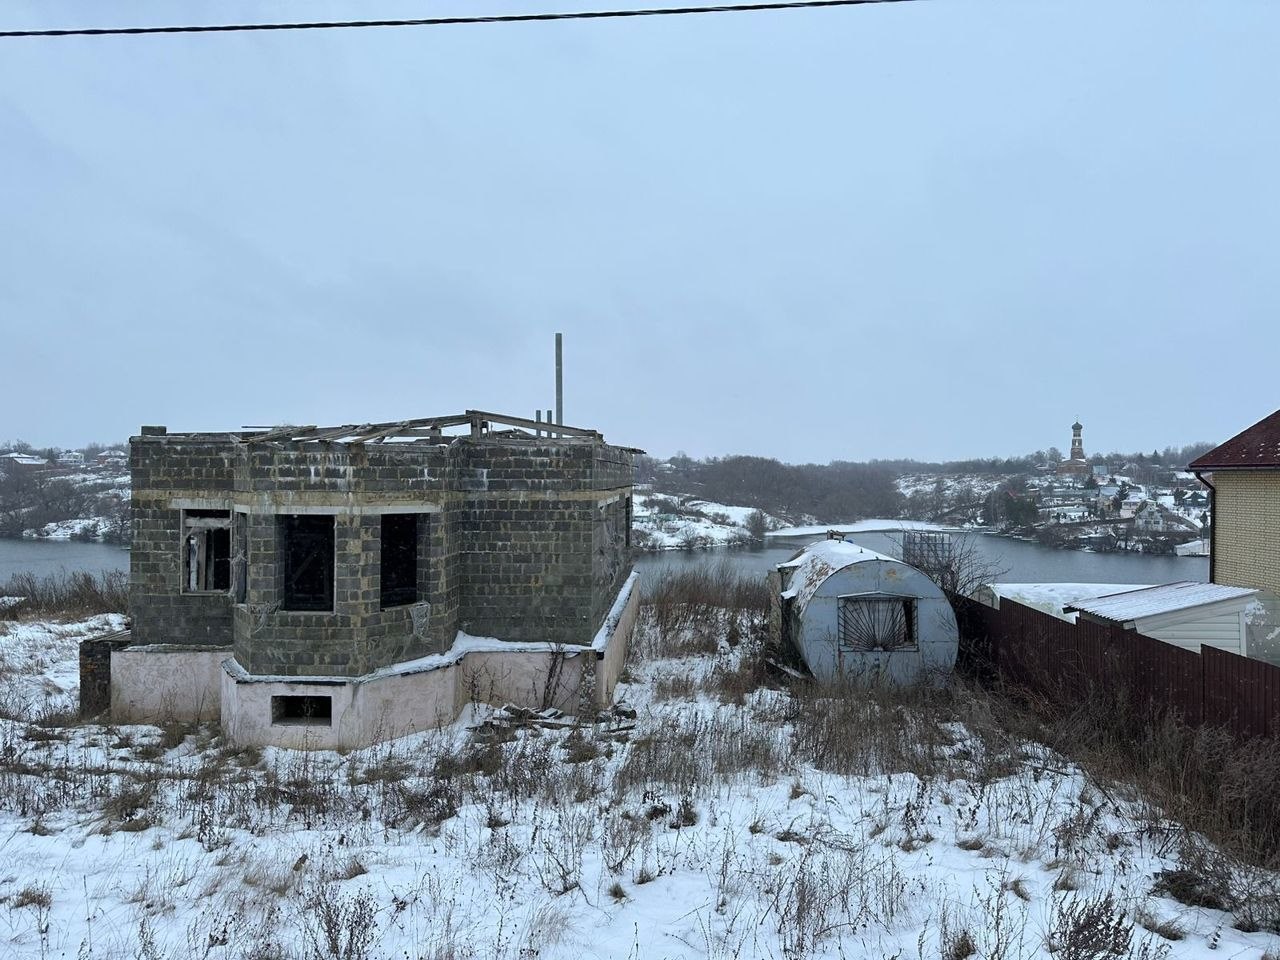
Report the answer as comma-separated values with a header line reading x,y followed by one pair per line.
x,y
39,665
726,820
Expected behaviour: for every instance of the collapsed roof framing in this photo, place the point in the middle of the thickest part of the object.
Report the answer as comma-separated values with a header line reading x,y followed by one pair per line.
x,y
481,424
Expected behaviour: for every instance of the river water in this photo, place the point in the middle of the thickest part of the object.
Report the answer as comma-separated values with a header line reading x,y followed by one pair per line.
x,y
1021,562
1012,561
43,557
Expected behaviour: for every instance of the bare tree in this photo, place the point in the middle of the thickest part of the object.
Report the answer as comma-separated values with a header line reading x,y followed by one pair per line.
x,y
954,561
757,524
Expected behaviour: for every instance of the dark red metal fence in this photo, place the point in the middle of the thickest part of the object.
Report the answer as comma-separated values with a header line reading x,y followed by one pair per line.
x,y
1066,661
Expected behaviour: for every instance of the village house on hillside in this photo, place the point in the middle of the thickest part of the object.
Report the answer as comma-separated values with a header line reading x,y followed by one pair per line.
x,y
335,586
24,459
1155,518
1243,476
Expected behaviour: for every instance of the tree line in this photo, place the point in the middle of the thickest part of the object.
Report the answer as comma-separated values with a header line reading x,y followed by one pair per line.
x,y
851,490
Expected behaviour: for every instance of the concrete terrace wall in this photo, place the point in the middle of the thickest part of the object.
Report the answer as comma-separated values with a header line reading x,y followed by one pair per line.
x,y
163,683
398,702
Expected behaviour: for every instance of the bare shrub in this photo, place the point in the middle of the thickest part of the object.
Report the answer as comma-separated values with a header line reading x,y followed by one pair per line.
x,y
34,895
957,945
427,803
675,686
339,926
1204,778
1090,929
1149,920
691,608
734,683
67,594
1201,879
857,728
678,762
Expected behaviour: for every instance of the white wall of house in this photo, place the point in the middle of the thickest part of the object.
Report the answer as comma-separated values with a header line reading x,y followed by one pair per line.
x,y
1220,625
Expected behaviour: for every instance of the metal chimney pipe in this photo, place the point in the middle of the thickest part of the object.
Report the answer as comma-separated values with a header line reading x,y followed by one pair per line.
x,y
537,415
549,433
559,378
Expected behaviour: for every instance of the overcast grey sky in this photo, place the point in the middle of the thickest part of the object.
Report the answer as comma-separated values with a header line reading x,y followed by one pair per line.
x,y
934,229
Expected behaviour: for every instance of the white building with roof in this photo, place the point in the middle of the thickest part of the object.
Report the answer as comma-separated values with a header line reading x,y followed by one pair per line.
x,y
1154,517
24,460
1050,598
1186,614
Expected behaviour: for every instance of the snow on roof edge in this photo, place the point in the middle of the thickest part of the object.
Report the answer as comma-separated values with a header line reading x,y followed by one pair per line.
x,y
1158,600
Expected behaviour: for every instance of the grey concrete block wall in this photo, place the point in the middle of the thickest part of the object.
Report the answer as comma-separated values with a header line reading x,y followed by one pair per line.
x,y
522,539
526,569
188,471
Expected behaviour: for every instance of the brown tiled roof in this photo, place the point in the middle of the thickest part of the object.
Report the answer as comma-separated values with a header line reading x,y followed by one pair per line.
x,y
1257,447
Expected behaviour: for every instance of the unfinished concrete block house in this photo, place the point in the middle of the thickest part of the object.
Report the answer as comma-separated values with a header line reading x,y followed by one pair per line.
x,y
337,586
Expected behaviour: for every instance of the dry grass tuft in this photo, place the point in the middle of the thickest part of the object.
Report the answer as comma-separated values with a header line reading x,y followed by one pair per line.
x,y
75,594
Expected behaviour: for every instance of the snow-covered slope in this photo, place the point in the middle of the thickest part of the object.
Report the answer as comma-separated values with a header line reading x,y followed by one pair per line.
x,y
723,821
698,524
39,665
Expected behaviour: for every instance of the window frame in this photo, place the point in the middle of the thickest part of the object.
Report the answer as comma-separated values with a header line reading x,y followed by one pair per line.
x,y
199,523
911,616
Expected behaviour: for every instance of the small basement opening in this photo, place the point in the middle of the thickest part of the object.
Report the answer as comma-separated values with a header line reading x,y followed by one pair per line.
x,y
206,553
300,711
399,573
307,555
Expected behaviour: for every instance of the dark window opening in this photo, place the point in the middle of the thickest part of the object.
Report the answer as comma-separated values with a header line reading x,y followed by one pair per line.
x,y
307,555
399,559
206,551
302,711
629,520
872,623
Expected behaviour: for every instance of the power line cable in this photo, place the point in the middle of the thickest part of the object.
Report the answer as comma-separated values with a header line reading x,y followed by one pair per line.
x,y
444,21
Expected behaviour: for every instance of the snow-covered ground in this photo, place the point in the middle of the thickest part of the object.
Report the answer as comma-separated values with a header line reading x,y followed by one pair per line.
x,y
706,523
723,822
39,665
70,529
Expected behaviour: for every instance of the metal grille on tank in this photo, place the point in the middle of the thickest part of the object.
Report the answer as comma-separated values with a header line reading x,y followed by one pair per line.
x,y
875,623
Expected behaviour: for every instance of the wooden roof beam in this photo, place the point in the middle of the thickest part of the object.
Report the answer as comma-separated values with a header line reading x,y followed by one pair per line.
x,y
536,425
